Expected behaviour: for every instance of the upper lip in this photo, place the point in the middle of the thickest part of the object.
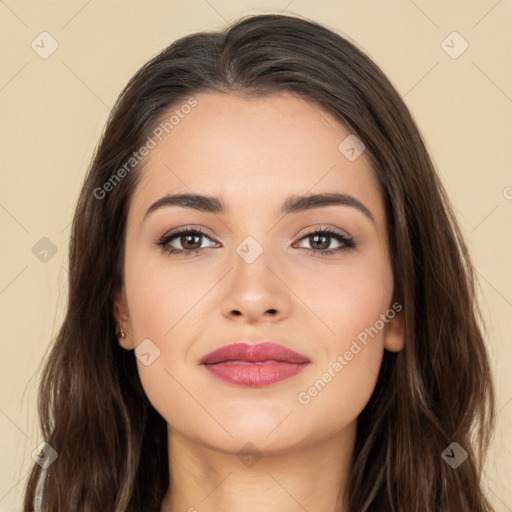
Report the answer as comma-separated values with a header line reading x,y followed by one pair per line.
x,y
260,352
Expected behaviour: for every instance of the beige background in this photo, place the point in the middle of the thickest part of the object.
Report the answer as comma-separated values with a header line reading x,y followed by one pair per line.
x,y
53,111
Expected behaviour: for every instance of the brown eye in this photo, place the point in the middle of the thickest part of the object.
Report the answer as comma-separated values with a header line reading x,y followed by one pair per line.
x,y
320,241
188,240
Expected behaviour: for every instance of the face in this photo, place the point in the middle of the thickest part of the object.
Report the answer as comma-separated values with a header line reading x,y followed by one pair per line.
x,y
258,273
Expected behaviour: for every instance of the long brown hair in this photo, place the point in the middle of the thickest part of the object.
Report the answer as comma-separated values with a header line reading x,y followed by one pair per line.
x,y
112,443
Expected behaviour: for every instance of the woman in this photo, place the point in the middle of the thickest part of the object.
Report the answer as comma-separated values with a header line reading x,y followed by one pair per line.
x,y
316,347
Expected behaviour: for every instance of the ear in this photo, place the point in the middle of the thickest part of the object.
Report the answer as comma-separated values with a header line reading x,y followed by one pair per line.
x,y
122,318
394,333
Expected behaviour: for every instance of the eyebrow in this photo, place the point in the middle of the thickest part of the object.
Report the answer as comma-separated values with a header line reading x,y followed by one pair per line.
x,y
294,204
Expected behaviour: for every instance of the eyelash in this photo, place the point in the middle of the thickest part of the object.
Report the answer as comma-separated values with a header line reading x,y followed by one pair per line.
x,y
340,237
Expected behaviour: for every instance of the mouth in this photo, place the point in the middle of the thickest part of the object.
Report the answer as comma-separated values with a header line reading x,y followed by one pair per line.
x,y
258,365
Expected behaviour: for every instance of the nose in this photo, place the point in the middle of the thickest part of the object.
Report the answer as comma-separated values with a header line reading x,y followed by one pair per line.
x,y
256,291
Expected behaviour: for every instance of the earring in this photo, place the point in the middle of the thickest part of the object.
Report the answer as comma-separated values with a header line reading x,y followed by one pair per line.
x,y
121,334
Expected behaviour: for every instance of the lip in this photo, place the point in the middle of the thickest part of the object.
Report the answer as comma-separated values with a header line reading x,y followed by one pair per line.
x,y
254,353
254,365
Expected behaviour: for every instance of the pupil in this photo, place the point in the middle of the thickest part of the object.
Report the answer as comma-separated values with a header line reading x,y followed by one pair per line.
x,y
324,245
188,238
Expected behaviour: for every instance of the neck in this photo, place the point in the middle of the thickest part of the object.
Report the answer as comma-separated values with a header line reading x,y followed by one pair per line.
x,y
313,477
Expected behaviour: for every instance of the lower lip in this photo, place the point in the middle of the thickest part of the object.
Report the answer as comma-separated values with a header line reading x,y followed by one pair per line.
x,y
254,375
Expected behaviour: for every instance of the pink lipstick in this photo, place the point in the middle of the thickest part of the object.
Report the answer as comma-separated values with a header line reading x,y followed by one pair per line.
x,y
254,365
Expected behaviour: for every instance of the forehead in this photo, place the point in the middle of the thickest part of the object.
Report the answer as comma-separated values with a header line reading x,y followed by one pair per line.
x,y
259,149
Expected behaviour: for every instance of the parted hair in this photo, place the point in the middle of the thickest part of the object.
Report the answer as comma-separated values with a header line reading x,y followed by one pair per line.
x,y
112,443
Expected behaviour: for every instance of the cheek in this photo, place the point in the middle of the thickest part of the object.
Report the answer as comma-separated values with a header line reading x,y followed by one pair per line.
x,y
351,302
344,376
163,297
167,307
350,298
335,396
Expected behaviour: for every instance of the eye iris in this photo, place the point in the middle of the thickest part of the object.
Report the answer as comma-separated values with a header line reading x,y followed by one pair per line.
x,y
323,245
185,239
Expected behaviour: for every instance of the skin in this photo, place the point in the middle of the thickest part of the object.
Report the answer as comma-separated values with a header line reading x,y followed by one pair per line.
x,y
255,153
